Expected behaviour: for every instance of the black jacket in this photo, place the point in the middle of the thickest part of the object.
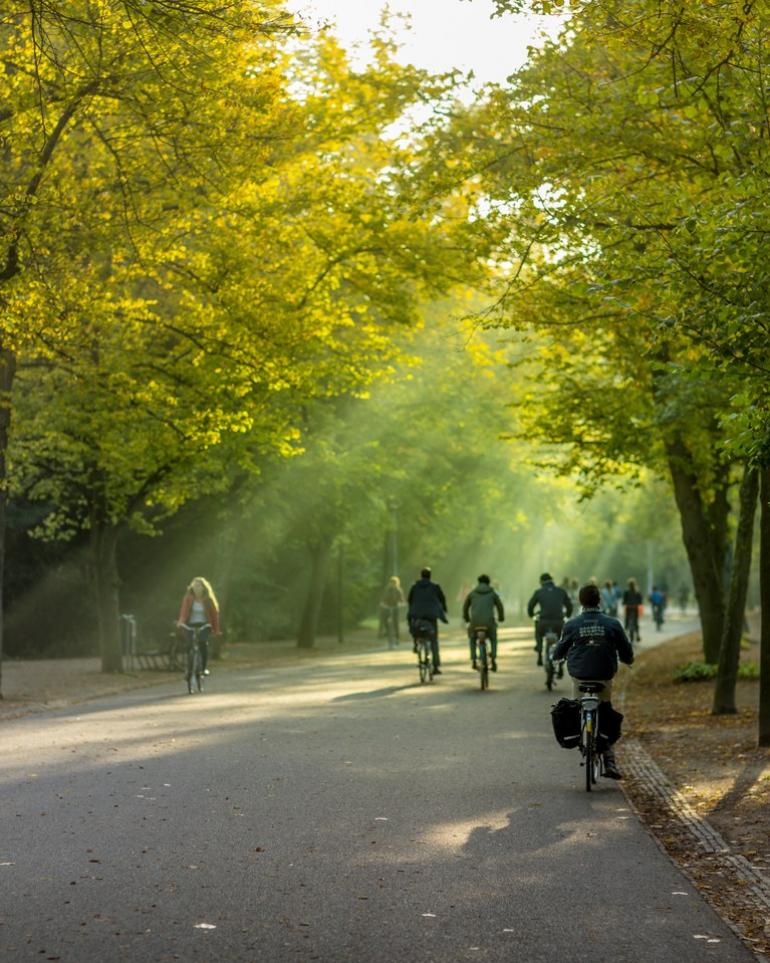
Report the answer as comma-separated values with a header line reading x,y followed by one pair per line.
x,y
426,601
592,643
553,601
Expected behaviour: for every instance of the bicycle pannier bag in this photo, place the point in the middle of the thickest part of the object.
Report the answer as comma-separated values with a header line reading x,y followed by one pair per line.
x,y
565,716
423,629
610,721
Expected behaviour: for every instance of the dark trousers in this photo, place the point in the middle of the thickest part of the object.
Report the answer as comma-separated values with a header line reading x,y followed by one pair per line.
x,y
491,635
203,643
542,626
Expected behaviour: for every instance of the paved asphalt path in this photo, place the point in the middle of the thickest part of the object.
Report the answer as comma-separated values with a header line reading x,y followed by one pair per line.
x,y
333,811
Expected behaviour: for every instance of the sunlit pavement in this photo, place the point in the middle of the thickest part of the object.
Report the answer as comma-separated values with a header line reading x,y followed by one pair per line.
x,y
333,811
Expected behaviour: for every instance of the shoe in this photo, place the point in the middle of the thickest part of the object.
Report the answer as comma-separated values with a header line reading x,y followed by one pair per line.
x,y
610,769
540,660
494,666
206,672
535,648
475,666
437,671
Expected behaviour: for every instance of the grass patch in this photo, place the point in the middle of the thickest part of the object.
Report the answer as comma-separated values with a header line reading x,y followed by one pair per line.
x,y
695,672
703,671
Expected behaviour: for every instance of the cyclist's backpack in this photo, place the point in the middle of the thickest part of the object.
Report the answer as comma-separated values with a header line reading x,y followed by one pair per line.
x,y
610,721
565,716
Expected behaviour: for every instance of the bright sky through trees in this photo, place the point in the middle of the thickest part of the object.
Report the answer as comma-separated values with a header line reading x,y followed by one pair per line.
x,y
439,34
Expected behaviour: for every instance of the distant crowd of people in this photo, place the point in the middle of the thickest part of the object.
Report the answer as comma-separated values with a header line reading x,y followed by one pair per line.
x,y
629,602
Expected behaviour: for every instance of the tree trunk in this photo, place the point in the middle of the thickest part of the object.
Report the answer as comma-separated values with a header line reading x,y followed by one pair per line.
x,y
730,651
319,562
704,532
7,373
105,581
9,269
764,601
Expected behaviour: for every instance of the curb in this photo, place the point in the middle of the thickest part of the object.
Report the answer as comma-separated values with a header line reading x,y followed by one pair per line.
x,y
754,885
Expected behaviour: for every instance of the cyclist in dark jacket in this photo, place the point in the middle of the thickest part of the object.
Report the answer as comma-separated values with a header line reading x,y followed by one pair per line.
x,y
592,644
554,604
632,603
479,611
428,603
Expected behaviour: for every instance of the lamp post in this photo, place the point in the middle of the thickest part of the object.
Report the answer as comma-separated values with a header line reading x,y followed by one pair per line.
x,y
392,540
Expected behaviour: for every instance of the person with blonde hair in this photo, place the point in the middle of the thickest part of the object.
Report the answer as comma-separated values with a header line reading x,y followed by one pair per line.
x,y
200,608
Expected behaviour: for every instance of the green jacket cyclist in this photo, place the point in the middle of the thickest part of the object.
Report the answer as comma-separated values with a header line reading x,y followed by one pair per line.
x,y
479,611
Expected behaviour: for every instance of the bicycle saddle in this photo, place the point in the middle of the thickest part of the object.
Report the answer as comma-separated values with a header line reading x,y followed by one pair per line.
x,y
591,686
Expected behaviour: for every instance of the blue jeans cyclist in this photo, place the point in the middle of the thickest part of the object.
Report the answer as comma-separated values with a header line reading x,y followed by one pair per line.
x,y
479,610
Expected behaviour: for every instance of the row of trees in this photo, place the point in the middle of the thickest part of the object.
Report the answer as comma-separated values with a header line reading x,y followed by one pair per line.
x,y
413,473
624,178
201,239
216,239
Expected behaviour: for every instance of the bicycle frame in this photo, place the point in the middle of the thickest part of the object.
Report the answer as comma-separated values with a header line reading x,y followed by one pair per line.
x,y
424,656
632,624
194,662
391,625
550,641
484,655
589,726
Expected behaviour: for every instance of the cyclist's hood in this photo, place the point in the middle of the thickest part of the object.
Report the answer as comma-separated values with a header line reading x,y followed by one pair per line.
x,y
483,588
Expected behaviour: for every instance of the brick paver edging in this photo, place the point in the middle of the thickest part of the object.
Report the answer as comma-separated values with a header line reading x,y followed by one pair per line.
x,y
755,886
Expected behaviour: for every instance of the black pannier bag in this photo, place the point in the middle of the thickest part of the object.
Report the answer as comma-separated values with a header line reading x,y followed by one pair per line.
x,y
423,629
565,716
610,721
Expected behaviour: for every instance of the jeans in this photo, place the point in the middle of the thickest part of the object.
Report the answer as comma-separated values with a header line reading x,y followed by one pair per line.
x,y
491,635
203,643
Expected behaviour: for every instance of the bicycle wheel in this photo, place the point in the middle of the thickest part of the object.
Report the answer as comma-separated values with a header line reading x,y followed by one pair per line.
x,y
423,662
189,671
589,764
549,673
198,670
483,666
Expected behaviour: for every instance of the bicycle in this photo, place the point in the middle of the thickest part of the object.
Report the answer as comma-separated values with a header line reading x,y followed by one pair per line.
x,y
194,667
423,632
553,670
589,729
390,618
480,632
632,623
